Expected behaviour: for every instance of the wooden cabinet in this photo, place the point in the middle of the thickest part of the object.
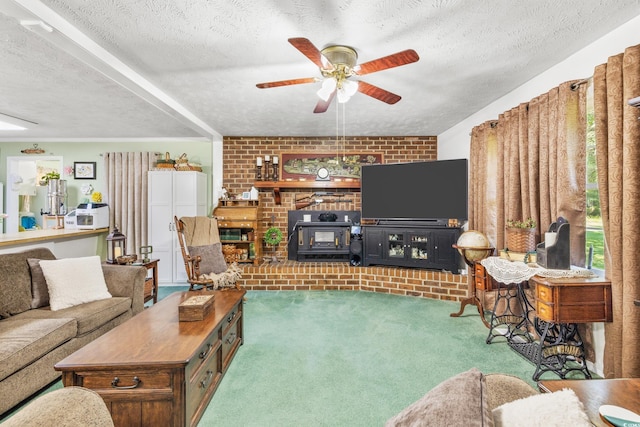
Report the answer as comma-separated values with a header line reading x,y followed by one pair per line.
x,y
573,300
238,225
173,193
412,246
482,280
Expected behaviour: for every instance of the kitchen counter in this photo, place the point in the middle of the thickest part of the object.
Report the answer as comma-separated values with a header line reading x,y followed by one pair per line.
x,y
62,242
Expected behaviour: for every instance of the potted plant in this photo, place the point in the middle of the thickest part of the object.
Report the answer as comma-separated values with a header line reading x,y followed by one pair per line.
x,y
521,235
49,176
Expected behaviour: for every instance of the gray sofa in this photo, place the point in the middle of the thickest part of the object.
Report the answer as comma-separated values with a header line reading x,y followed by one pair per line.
x,y
33,338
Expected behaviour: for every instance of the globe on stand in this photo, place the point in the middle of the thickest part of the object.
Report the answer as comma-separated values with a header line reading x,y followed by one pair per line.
x,y
474,246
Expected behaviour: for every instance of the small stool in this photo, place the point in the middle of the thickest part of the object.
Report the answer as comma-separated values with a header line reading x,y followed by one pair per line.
x,y
59,221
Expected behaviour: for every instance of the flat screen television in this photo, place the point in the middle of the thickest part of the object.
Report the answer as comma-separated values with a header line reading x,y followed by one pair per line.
x,y
420,191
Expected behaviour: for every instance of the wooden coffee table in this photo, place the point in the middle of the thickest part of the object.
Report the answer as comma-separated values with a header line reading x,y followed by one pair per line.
x,y
624,392
155,370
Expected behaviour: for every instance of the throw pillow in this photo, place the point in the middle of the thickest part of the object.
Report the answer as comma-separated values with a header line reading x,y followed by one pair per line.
x,y
39,291
558,409
459,401
74,281
211,258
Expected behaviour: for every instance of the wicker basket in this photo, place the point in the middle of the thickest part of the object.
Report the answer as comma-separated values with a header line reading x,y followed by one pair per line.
x,y
230,253
521,239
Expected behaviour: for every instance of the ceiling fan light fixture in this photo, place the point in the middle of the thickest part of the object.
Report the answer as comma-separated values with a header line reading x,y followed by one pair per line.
x,y
340,56
347,89
328,86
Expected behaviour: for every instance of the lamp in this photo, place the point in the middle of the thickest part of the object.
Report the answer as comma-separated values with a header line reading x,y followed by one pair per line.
x,y
116,245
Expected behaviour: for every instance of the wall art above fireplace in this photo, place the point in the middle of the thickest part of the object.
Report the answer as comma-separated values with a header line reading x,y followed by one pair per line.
x,y
325,166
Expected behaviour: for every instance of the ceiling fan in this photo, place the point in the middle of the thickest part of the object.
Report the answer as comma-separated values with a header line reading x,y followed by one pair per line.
x,y
337,65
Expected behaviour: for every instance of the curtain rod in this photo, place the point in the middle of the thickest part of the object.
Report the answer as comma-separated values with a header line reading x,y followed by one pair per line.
x,y
576,85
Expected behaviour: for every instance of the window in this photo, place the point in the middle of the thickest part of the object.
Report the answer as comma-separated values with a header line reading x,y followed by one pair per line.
x,y
595,232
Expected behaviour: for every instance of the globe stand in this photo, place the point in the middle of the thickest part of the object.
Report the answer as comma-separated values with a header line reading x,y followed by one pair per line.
x,y
473,299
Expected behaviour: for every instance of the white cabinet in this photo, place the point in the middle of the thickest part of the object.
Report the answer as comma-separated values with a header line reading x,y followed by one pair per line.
x,y
179,194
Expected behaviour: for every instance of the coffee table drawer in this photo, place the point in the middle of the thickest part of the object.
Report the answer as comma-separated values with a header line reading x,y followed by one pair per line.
x,y
120,380
203,384
231,340
202,356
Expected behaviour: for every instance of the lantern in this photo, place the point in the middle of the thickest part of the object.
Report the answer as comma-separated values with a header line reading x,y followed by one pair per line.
x,y
116,245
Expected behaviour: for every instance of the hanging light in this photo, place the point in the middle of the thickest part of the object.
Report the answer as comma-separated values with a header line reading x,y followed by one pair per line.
x,y
328,86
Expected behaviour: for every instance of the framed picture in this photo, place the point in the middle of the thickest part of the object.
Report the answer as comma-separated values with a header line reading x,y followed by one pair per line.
x,y
340,167
84,170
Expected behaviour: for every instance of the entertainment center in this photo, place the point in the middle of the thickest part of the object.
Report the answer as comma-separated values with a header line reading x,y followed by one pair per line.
x,y
406,245
412,213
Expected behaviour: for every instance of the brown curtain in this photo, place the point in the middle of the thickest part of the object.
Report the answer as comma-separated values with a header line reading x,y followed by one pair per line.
x,y
531,162
127,195
618,163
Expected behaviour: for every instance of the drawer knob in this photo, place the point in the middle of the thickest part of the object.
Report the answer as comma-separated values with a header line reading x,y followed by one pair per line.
x,y
204,382
231,317
203,354
116,380
231,338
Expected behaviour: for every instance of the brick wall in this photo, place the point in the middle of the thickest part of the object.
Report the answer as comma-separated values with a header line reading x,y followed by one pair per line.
x,y
240,156
299,276
239,175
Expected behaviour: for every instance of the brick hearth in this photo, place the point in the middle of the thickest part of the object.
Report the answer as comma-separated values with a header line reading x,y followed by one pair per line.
x,y
298,276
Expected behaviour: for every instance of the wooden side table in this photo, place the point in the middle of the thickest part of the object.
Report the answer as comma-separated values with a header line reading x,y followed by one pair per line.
x,y
151,283
623,392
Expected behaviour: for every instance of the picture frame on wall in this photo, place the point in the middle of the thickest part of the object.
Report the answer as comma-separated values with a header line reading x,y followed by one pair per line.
x,y
84,170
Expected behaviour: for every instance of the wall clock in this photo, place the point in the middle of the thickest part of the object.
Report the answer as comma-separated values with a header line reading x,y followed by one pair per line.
x,y
322,174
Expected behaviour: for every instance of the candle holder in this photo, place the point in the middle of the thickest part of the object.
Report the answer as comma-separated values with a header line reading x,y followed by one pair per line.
x,y
274,175
258,173
267,170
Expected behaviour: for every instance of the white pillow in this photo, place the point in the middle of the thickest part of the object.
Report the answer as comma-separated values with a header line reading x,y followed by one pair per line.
x,y
74,281
559,409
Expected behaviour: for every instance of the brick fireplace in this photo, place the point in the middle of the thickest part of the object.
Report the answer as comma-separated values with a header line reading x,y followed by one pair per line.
x,y
239,175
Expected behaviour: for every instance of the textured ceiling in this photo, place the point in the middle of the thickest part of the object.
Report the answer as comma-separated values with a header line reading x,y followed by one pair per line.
x,y
206,57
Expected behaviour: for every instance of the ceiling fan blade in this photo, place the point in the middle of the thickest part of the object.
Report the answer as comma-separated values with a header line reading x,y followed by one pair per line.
x,y
378,93
287,82
309,50
322,105
397,59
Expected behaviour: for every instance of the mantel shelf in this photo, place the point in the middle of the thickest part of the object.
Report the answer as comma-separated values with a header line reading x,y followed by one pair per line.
x,y
276,186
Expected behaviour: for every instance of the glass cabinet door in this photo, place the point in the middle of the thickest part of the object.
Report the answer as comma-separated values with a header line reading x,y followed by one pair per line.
x,y
419,248
395,245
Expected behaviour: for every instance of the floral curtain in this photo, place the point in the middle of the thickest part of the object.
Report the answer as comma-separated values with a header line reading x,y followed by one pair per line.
x,y
127,195
618,164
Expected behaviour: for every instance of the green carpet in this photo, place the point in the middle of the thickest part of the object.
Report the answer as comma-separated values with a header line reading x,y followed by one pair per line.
x,y
339,358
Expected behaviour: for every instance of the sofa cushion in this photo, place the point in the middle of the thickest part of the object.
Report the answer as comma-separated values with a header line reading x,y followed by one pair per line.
x,y
24,340
15,286
458,401
211,258
558,409
89,316
39,291
73,281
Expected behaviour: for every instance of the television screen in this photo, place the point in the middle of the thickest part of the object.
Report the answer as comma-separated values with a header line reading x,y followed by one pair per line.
x,y
436,190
